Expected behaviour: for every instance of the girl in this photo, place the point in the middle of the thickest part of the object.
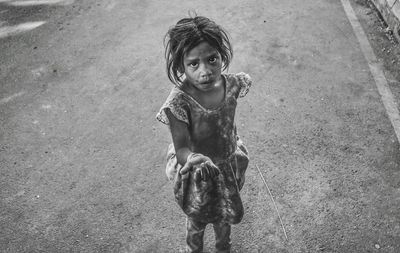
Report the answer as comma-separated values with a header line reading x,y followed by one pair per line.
x,y
207,160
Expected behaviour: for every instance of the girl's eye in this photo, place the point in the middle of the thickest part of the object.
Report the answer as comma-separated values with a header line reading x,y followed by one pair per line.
x,y
193,64
213,60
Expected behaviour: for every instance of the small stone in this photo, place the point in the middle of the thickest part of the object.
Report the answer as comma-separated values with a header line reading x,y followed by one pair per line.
x,y
377,246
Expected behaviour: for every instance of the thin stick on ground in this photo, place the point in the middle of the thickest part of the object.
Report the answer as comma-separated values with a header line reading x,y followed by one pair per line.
x,y
273,201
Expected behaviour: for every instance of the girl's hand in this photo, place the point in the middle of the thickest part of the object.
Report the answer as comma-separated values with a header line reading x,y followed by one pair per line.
x,y
203,165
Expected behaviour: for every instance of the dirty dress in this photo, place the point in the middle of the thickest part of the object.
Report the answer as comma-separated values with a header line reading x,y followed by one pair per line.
x,y
213,134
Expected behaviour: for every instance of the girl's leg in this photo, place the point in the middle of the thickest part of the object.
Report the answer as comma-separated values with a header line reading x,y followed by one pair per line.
x,y
222,237
194,235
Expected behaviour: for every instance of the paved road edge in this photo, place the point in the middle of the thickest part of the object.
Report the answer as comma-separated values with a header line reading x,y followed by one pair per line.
x,y
390,11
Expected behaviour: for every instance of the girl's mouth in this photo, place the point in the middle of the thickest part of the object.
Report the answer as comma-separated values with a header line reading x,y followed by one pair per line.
x,y
206,85
208,81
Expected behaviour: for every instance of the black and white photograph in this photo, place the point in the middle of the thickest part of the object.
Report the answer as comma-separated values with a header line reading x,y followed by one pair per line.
x,y
151,126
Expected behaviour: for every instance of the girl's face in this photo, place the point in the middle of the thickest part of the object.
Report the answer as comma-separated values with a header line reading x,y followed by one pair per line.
x,y
203,66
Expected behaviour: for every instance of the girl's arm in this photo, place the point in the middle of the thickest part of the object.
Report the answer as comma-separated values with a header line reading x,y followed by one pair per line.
x,y
185,157
180,137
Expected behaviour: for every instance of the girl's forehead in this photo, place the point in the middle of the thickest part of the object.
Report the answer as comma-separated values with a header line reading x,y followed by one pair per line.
x,y
203,49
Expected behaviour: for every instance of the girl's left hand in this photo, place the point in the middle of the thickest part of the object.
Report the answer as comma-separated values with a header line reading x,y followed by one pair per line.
x,y
204,171
203,165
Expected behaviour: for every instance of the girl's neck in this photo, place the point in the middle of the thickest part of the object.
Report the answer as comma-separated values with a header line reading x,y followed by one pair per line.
x,y
210,99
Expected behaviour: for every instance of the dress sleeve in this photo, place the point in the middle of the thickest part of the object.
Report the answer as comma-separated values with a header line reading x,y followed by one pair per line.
x,y
178,107
244,81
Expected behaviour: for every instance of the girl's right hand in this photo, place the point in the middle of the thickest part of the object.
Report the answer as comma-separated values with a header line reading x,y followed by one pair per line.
x,y
204,166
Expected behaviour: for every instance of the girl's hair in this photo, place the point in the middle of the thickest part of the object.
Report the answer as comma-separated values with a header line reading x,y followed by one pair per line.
x,y
188,33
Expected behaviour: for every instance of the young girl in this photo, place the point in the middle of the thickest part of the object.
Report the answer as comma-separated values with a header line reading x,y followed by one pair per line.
x,y
207,160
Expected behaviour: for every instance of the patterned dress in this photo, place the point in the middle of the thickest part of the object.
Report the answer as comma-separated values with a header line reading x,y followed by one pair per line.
x,y
213,134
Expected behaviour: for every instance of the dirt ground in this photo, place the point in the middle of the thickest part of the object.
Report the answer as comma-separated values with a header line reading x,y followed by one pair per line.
x,y
82,156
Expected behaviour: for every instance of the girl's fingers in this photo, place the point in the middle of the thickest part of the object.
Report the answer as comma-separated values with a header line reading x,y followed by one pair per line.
x,y
207,167
216,169
205,175
188,166
209,175
211,172
214,172
197,160
197,175
185,169
202,173
213,169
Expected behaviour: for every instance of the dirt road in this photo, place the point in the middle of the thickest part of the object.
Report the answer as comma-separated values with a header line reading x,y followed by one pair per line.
x,y
82,156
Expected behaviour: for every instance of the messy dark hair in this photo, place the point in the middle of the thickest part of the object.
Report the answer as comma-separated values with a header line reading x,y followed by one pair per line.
x,y
187,34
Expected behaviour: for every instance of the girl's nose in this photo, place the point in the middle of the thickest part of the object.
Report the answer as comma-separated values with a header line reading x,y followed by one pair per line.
x,y
205,72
